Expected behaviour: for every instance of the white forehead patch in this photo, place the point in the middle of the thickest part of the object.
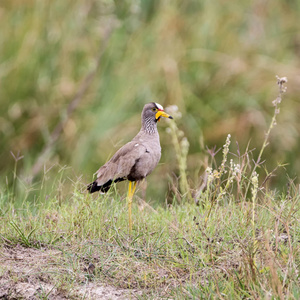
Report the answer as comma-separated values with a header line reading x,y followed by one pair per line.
x,y
159,106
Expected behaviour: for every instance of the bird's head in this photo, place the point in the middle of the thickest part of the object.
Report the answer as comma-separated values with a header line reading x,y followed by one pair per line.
x,y
154,111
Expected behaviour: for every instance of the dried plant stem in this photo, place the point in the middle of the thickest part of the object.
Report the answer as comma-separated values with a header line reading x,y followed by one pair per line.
x,y
276,102
181,150
16,159
218,192
254,181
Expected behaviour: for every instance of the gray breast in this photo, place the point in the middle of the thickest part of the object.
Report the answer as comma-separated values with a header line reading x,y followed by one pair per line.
x,y
147,162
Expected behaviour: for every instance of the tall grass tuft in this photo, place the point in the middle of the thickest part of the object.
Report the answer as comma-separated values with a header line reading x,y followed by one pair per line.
x,y
236,177
181,147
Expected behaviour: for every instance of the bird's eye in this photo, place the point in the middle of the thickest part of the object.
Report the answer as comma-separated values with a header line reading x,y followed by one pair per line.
x,y
154,109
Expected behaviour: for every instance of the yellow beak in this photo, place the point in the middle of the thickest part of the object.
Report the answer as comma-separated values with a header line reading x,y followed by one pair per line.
x,y
160,114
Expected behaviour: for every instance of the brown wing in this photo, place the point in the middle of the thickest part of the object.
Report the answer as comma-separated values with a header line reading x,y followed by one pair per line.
x,y
121,163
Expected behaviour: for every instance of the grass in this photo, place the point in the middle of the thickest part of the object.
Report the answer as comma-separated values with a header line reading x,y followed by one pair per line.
x,y
172,252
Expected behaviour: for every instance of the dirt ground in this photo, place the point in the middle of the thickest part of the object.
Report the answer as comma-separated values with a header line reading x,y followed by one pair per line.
x,y
27,273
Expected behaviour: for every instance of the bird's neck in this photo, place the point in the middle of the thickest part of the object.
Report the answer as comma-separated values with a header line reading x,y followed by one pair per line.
x,y
149,126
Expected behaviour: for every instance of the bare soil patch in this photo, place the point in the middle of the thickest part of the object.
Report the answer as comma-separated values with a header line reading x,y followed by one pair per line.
x,y
28,273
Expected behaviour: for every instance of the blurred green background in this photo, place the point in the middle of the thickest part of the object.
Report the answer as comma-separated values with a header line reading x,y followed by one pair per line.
x,y
215,60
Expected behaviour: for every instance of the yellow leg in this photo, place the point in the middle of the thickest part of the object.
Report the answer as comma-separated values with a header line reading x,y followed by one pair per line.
x,y
131,190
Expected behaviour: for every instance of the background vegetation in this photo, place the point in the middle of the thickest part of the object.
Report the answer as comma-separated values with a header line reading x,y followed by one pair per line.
x,y
75,76
216,61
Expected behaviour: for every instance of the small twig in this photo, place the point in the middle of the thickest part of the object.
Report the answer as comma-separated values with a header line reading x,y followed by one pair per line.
x,y
5,239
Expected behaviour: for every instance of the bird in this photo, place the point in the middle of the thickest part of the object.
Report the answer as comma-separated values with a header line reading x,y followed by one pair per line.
x,y
136,159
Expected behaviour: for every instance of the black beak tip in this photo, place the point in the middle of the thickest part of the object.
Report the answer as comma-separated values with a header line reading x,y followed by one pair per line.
x,y
170,117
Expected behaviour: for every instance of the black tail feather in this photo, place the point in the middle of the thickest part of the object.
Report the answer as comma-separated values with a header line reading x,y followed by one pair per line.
x,y
94,187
